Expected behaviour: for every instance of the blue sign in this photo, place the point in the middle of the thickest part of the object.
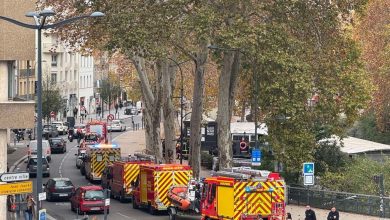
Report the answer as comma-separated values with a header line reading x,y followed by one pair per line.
x,y
308,168
256,157
42,214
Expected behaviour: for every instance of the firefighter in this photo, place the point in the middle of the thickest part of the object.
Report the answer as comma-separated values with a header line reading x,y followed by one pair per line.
x,y
333,214
310,214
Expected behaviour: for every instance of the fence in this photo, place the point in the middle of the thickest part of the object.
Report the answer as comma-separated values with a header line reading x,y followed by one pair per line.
x,y
346,202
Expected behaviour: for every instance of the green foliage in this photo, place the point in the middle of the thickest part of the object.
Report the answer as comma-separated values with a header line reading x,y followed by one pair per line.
x,y
51,99
357,177
366,128
109,90
329,158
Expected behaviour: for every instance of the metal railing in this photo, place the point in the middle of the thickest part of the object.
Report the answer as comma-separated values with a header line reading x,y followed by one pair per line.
x,y
346,202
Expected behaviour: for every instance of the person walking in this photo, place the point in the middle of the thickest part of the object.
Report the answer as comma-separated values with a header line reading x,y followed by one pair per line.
x,y
288,216
333,214
75,111
310,214
28,213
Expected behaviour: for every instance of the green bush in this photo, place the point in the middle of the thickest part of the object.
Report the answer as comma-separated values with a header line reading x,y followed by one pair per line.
x,y
206,160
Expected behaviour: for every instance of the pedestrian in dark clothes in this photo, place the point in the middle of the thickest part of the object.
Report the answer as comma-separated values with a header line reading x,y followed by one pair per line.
x,y
333,214
310,214
289,216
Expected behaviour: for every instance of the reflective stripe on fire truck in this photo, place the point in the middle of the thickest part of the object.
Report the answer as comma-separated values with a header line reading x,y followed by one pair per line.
x,y
131,172
259,202
168,178
98,166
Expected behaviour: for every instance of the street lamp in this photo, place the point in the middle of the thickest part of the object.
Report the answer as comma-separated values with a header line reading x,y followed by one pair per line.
x,y
40,19
181,108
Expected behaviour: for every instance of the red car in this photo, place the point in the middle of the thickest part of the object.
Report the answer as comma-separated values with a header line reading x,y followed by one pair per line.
x,y
88,199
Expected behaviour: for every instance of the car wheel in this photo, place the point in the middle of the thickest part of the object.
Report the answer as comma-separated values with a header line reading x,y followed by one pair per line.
x,y
122,198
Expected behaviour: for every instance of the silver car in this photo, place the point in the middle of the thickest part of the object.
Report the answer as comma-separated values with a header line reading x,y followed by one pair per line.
x,y
117,125
32,166
79,160
46,150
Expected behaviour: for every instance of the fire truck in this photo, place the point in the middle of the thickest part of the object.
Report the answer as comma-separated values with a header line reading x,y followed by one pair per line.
x,y
100,128
153,183
97,157
243,193
120,177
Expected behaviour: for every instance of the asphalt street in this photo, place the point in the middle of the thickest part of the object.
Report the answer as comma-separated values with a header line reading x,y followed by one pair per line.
x,y
64,165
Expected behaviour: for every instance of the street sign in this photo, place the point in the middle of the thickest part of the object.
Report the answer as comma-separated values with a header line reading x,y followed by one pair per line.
x,y
110,117
107,202
308,180
82,108
42,196
42,214
13,177
256,157
52,114
308,168
16,188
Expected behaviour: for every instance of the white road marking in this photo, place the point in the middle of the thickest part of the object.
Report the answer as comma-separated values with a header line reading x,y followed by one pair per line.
x,y
63,159
125,216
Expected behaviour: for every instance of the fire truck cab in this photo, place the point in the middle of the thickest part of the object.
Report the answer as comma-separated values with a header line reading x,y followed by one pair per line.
x,y
100,128
97,157
243,194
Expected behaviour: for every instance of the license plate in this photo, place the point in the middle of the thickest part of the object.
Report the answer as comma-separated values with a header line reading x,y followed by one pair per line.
x,y
95,208
63,194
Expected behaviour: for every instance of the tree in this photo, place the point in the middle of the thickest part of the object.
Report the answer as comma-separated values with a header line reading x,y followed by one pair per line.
x,y
51,99
109,91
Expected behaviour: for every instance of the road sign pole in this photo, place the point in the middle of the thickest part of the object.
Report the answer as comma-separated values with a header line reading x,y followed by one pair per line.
x,y
106,202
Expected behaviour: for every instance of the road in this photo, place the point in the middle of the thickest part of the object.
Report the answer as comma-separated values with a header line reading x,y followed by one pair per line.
x,y
63,165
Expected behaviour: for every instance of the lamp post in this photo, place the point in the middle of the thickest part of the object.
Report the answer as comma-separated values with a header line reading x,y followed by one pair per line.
x,y
181,107
40,19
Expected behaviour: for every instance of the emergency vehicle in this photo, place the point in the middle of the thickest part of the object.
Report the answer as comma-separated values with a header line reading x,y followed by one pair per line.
x,y
153,183
97,157
98,127
119,178
243,194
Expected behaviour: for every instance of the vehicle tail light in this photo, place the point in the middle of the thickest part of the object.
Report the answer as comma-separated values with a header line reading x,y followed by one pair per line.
x,y
52,189
48,151
124,185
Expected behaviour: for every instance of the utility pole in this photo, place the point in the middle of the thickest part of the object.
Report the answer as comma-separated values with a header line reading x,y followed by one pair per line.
x,y
28,80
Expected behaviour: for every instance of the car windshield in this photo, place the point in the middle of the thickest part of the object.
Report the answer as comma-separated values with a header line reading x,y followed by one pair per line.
x,y
33,145
46,127
63,183
79,126
94,195
34,161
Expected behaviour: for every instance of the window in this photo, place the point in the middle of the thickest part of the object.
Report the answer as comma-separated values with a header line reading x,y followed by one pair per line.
x,y
66,75
54,60
112,157
54,78
75,75
99,157
210,130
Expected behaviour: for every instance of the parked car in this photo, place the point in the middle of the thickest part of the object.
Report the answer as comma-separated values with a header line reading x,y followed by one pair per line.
x,y
62,128
46,150
57,145
130,110
88,199
50,131
58,188
32,166
116,125
80,156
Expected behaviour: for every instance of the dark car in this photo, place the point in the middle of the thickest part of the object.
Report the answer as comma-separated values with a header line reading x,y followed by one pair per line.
x,y
32,166
130,110
50,131
57,145
88,199
59,188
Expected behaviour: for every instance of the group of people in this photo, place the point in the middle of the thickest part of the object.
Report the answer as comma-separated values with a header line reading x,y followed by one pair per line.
x,y
311,215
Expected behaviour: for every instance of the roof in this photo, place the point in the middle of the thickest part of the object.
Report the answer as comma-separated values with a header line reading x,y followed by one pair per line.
x,y
162,167
352,145
60,179
92,187
248,128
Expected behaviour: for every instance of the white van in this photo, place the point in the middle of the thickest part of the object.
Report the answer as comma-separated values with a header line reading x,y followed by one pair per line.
x,y
46,151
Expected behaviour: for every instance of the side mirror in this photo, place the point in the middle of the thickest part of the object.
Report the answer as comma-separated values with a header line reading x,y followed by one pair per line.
x,y
25,161
28,145
75,154
78,146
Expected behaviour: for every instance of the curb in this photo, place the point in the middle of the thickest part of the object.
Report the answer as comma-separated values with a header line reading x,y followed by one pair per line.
x,y
11,169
